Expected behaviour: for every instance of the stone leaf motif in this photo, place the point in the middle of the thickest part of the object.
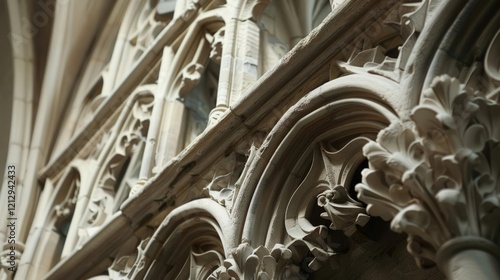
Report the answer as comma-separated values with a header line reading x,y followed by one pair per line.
x,y
342,210
223,182
438,177
127,267
314,250
246,262
296,260
403,26
330,172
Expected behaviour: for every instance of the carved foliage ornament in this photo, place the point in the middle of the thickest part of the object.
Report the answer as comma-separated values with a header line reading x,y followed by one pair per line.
x,y
329,176
222,182
246,262
384,49
437,177
127,267
342,210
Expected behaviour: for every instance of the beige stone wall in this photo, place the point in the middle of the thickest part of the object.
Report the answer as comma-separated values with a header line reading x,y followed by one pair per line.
x,y
252,139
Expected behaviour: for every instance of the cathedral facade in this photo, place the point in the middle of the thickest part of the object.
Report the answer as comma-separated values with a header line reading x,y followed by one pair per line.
x,y
250,139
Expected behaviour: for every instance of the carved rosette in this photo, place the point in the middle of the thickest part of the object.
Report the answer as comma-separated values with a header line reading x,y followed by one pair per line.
x,y
437,177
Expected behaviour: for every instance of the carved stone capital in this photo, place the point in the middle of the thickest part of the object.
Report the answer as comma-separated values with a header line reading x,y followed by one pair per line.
x,y
437,177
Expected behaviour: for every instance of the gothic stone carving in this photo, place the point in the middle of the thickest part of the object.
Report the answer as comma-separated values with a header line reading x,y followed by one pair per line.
x,y
102,204
329,177
246,262
385,49
223,182
437,177
127,266
342,210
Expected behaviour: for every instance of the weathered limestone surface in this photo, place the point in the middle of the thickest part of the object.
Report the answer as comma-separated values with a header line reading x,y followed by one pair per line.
x,y
251,139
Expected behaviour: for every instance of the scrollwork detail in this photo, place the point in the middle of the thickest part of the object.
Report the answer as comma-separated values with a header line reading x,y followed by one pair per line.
x,y
344,212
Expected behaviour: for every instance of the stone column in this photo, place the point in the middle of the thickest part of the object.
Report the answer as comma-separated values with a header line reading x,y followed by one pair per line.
x,y
469,258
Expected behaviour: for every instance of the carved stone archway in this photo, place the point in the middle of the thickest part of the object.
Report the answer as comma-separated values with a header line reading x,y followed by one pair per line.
x,y
198,234
309,158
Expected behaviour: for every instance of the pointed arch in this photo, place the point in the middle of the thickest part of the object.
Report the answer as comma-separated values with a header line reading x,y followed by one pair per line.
x,y
333,119
196,229
56,218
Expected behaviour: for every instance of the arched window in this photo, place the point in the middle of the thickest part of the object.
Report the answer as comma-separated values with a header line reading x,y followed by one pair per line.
x,y
58,220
